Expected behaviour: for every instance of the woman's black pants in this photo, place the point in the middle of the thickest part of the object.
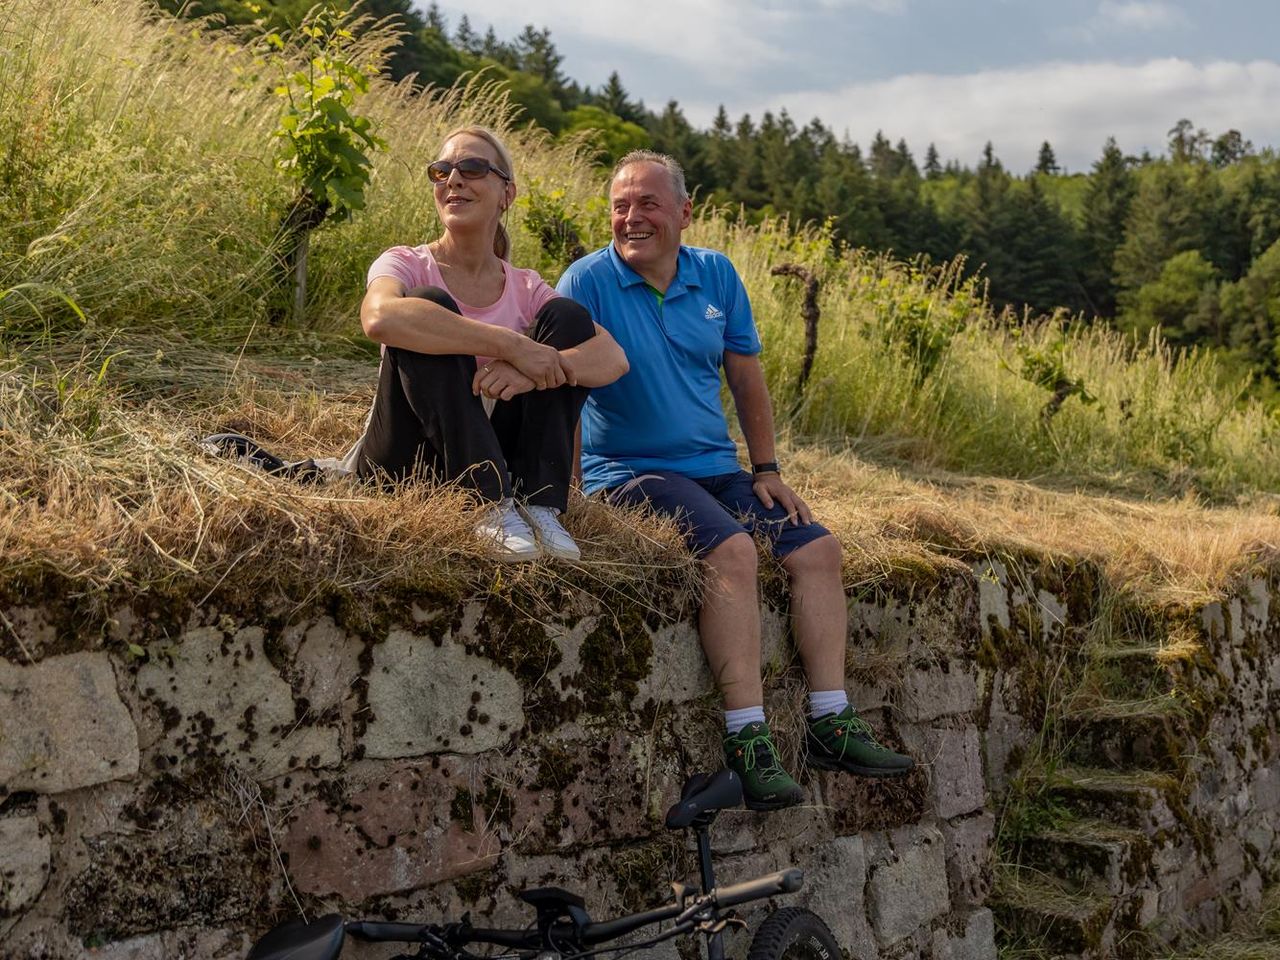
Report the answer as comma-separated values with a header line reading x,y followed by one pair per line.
x,y
426,420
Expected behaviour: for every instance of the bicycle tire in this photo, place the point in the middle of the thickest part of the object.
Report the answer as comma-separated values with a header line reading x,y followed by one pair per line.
x,y
794,933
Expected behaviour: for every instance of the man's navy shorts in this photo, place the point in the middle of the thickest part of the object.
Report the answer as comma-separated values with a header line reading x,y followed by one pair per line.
x,y
710,510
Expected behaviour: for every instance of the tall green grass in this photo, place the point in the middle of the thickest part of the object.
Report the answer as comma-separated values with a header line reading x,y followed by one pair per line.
x,y
913,365
137,191
136,173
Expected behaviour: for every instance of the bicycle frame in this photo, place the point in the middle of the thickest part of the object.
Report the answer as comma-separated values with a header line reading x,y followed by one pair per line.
x,y
690,913
564,928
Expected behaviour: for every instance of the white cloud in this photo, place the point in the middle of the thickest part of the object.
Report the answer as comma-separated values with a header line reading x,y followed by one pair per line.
x,y
875,6
712,39
1075,106
1139,15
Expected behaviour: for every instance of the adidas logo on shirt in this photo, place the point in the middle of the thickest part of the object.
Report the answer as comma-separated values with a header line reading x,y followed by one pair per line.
x,y
713,313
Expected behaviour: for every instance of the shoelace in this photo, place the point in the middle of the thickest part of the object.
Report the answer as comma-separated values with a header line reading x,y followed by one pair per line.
x,y
762,744
513,523
547,519
854,728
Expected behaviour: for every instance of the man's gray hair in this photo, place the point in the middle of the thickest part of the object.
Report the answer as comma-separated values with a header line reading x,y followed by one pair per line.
x,y
674,169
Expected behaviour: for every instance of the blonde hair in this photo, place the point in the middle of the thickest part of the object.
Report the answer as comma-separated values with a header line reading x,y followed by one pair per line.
x,y
501,242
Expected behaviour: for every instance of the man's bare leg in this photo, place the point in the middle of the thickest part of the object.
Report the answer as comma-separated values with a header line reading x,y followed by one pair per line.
x,y
729,621
837,740
819,615
729,625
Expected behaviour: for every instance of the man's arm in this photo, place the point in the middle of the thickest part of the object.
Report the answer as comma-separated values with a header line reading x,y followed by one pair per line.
x,y
597,362
746,382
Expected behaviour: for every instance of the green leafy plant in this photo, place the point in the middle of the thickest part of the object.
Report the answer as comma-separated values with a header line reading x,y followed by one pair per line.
x,y
549,217
1045,365
915,321
323,145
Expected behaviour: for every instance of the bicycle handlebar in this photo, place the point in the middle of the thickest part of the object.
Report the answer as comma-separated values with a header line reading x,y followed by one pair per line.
x,y
784,881
386,931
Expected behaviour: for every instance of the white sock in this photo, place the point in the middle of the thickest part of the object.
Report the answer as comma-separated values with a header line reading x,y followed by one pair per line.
x,y
822,702
735,720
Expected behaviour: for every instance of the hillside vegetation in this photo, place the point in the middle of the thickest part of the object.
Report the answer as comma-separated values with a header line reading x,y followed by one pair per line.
x,y
1188,240
140,307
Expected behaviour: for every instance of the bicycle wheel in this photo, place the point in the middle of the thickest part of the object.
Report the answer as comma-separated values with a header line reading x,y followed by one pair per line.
x,y
794,933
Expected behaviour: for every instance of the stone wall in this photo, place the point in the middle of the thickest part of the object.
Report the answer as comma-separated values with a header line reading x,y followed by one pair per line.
x,y
176,803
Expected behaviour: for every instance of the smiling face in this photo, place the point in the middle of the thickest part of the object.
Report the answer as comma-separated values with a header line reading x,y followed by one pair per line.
x,y
647,217
472,205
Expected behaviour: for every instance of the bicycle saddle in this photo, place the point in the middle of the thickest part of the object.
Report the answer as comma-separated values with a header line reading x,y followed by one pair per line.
x,y
318,940
705,793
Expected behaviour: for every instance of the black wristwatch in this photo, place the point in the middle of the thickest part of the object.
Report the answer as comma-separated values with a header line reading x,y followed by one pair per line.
x,y
770,467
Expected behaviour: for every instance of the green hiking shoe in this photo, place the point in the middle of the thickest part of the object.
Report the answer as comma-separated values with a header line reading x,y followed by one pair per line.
x,y
844,741
750,754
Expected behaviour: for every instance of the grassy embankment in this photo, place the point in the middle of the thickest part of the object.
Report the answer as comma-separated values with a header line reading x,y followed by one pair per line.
x,y
138,217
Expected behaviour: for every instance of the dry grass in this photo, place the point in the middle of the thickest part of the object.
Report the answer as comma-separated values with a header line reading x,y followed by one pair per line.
x,y
107,496
1174,552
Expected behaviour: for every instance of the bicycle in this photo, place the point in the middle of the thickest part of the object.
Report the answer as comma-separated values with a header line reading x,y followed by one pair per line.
x,y
566,932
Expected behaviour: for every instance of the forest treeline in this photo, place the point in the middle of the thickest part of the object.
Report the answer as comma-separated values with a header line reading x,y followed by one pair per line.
x,y
1188,240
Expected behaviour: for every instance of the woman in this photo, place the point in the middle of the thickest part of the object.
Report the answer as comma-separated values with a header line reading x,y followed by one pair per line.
x,y
485,367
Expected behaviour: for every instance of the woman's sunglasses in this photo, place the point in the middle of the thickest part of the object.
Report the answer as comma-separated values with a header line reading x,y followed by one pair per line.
x,y
471,168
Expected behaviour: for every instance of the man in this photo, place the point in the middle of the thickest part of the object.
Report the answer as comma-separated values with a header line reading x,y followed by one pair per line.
x,y
659,436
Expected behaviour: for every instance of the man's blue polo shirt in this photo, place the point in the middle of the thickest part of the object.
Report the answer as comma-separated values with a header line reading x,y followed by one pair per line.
x,y
665,413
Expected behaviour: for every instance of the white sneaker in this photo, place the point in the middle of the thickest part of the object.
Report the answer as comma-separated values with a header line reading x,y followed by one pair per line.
x,y
554,538
505,529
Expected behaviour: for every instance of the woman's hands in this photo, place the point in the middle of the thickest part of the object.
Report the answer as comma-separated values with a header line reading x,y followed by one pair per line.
x,y
499,380
546,366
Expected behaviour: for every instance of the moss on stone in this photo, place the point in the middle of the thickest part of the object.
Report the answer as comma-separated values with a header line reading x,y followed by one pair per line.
x,y
644,871
474,887
558,767
475,812
615,657
193,866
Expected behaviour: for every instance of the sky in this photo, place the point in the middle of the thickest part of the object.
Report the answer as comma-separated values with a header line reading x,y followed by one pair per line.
x,y
956,73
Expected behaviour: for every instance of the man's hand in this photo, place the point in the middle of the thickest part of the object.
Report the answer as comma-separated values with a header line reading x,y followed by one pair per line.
x,y
570,374
540,363
499,380
770,489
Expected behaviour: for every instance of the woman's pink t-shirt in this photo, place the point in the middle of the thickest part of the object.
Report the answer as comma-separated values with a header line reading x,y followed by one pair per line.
x,y
524,292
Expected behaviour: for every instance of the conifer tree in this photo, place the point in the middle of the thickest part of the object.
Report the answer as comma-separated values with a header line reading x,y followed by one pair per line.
x,y
1047,163
673,134
497,51
722,161
613,97
465,37
882,160
535,53
905,162
1106,210
748,188
1171,214
932,167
